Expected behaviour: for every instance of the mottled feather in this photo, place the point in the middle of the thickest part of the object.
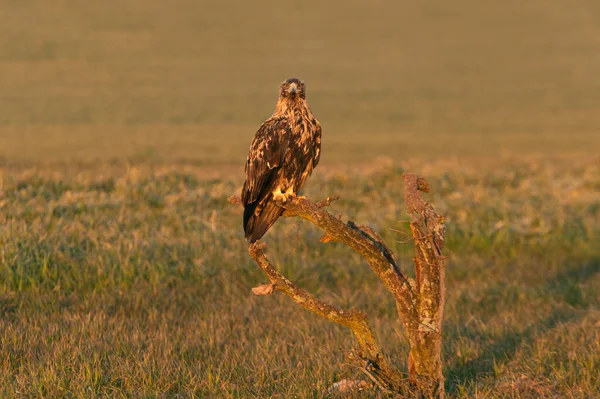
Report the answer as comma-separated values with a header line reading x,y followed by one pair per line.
x,y
266,155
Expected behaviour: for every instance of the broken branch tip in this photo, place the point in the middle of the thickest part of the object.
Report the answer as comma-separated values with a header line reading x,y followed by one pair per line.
x,y
235,199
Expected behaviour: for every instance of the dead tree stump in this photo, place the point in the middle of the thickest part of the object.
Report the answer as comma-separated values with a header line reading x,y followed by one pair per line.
x,y
420,301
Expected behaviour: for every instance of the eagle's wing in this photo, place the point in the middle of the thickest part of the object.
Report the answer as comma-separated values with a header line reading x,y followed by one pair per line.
x,y
266,156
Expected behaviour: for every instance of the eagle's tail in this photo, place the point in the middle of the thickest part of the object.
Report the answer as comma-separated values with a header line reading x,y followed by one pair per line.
x,y
255,226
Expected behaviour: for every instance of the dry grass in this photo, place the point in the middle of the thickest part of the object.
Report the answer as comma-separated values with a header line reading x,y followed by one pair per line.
x,y
139,284
124,127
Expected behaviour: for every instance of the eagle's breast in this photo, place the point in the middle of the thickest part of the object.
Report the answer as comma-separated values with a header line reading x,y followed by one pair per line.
x,y
305,145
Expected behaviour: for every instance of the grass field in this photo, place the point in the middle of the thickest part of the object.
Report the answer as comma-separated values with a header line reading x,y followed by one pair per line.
x,y
124,127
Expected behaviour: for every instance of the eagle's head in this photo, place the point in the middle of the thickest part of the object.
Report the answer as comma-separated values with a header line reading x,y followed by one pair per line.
x,y
292,89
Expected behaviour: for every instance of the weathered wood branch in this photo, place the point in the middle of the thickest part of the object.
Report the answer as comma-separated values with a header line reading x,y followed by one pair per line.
x,y
420,303
428,229
353,318
371,247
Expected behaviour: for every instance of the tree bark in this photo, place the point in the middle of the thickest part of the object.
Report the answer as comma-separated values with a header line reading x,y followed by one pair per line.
x,y
427,227
419,302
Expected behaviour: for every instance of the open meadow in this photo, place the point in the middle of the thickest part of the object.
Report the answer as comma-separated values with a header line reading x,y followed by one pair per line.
x,y
124,128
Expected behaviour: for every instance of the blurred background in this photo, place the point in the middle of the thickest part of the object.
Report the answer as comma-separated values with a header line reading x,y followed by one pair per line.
x,y
191,81
124,128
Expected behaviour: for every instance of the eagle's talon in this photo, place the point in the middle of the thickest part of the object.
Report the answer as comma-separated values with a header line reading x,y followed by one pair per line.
x,y
279,198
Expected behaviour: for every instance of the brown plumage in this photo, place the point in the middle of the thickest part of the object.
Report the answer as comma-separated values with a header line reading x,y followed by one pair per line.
x,y
283,154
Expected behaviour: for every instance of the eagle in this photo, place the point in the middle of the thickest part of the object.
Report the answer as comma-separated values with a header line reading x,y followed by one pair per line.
x,y
283,153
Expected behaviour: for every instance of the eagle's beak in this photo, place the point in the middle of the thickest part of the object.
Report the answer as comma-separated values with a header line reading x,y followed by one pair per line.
x,y
293,88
